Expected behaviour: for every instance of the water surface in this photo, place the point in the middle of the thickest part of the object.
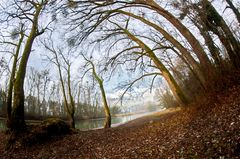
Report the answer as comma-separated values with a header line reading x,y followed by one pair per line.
x,y
96,123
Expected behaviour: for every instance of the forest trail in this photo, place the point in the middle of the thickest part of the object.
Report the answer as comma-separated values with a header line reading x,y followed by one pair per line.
x,y
210,129
148,119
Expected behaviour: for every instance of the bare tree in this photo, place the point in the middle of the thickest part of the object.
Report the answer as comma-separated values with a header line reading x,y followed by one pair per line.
x,y
30,12
179,95
107,123
46,80
98,8
59,56
100,12
17,32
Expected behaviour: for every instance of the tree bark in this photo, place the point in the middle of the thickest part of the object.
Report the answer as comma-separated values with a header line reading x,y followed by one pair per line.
x,y
17,122
11,81
234,9
196,67
214,51
175,88
72,103
70,108
107,123
214,21
205,63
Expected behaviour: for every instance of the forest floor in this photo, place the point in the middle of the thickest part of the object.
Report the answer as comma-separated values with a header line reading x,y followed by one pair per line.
x,y
209,128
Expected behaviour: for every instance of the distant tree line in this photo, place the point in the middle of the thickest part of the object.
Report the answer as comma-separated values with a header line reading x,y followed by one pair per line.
x,y
44,99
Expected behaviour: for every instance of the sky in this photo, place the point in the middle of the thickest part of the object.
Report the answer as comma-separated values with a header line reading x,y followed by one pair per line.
x,y
38,52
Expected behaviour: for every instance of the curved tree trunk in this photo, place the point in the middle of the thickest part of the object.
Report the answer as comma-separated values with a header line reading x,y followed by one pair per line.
x,y
234,9
226,43
214,21
215,52
107,123
205,63
195,65
212,48
190,68
175,88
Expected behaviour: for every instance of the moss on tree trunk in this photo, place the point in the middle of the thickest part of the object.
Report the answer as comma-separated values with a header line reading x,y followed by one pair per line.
x,y
17,122
11,80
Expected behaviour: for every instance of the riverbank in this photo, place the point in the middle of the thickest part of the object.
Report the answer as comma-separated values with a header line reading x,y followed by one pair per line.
x,y
208,129
91,124
85,118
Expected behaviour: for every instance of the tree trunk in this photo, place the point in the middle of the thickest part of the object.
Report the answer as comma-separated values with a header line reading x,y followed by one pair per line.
x,y
17,122
107,123
72,103
234,9
11,81
175,88
214,21
17,117
72,121
215,53
226,43
205,63
196,68
67,106
193,70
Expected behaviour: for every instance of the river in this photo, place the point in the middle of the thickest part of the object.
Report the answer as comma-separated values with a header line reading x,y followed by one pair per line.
x,y
97,123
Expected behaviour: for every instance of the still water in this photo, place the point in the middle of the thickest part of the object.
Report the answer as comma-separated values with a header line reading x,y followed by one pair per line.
x,y
96,123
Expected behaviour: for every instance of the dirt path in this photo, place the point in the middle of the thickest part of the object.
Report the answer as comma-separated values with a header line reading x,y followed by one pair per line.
x,y
148,119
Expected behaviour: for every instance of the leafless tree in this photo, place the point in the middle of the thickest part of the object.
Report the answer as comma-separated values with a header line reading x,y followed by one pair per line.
x,y
63,63
99,80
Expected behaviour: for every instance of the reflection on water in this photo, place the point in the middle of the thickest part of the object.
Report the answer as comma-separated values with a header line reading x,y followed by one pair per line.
x,y
96,123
